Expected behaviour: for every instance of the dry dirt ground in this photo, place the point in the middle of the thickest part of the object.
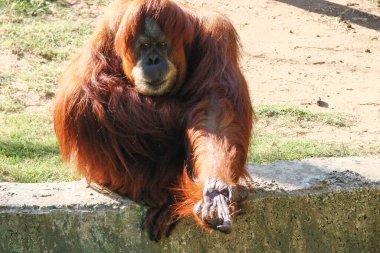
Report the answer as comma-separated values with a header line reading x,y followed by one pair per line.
x,y
296,52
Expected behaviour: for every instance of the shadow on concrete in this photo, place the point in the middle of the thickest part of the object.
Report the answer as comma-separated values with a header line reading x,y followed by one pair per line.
x,y
336,10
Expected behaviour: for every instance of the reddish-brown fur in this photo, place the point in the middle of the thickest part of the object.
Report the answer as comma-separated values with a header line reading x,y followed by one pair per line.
x,y
157,150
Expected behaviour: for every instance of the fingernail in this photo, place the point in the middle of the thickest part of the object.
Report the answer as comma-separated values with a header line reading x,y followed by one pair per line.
x,y
225,228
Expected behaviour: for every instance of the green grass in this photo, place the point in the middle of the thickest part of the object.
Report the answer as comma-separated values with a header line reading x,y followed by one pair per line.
x,y
28,7
51,41
9,103
299,115
38,43
29,151
265,149
37,37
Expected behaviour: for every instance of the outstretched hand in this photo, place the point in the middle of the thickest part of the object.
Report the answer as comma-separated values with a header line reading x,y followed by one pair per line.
x,y
218,204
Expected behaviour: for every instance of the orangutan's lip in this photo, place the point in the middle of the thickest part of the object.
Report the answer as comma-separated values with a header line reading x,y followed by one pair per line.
x,y
156,83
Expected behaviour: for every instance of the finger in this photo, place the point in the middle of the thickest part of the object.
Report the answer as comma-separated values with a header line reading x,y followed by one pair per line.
x,y
205,210
225,207
212,213
219,203
226,226
198,208
232,193
215,220
219,207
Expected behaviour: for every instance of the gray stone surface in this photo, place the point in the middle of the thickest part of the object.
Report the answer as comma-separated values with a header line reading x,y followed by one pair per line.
x,y
335,172
45,197
313,205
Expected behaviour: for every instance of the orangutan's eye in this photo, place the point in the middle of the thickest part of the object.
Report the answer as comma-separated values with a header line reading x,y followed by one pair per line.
x,y
162,45
145,45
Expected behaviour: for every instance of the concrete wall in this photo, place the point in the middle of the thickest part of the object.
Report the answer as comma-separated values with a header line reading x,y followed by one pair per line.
x,y
314,205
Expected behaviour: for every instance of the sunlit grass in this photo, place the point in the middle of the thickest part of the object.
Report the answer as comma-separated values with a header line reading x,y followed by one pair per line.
x,y
50,40
267,148
299,115
29,150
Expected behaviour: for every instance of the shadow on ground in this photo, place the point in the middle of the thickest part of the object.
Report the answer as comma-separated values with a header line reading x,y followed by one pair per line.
x,y
336,10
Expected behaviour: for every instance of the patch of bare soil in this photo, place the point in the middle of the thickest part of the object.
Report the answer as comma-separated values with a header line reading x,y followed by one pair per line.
x,y
31,100
297,52
8,61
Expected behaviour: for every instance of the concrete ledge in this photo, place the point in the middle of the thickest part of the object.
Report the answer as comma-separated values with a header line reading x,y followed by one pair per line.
x,y
313,205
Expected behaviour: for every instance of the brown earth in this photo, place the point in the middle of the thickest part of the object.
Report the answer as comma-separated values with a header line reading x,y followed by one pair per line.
x,y
297,51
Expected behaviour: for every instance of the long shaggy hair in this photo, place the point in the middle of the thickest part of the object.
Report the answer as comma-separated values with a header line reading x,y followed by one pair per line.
x,y
157,150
